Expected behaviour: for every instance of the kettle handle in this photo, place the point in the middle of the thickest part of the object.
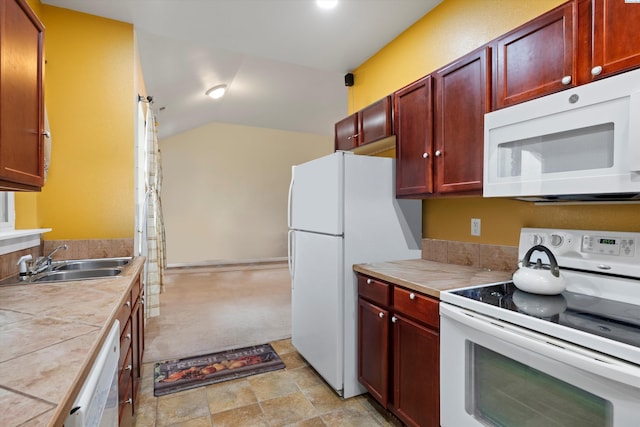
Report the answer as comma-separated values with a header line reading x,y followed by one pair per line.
x,y
555,270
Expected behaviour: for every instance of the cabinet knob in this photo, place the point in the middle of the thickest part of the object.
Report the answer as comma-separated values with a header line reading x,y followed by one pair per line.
x,y
595,71
46,133
566,80
394,319
128,368
369,281
425,155
128,401
128,336
349,137
127,304
412,296
381,315
438,153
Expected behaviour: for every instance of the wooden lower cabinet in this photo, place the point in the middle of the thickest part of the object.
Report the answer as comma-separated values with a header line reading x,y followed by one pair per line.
x,y
131,317
399,350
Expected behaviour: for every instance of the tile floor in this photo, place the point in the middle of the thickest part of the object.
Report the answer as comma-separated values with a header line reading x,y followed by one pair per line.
x,y
245,304
294,396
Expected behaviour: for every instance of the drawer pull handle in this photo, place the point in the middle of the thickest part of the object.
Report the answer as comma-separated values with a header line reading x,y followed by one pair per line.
x,y
394,319
412,296
369,281
381,315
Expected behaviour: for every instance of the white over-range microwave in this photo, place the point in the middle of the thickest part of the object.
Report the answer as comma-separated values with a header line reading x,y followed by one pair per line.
x,y
578,144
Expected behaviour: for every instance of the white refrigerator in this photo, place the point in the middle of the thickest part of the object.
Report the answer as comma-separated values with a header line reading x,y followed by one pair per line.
x,y
342,211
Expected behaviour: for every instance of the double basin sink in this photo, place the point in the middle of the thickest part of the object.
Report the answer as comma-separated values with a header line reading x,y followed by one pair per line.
x,y
82,269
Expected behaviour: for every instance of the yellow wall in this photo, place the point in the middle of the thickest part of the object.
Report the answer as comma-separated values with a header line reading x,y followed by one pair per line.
x,y
90,98
452,29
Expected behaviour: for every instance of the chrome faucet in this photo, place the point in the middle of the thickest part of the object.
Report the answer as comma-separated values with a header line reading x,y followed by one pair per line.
x,y
43,263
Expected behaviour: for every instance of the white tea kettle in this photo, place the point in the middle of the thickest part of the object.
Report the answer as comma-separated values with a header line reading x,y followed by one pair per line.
x,y
538,278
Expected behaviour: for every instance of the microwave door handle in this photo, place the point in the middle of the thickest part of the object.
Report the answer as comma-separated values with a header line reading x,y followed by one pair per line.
x,y
603,366
634,132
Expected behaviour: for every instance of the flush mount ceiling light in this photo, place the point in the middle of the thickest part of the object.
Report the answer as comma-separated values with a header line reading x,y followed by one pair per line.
x,y
217,91
327,4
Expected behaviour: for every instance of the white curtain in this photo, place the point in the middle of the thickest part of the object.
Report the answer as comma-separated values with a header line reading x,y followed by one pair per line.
x,y
152,240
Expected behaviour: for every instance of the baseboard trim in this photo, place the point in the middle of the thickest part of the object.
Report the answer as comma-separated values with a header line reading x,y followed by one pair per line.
x,y
229,263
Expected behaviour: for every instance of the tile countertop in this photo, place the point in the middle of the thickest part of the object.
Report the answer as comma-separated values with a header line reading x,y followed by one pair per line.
x,y
429,277
50,334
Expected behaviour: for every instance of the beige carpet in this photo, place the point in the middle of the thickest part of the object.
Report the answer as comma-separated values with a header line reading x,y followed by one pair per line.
x,y
205,310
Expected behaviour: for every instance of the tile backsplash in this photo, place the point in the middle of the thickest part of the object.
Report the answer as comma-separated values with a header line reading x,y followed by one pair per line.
x,y
76,249
490,257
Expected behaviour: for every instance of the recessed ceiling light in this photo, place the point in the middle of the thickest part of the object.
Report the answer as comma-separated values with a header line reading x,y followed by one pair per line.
x,y
217,92
327,4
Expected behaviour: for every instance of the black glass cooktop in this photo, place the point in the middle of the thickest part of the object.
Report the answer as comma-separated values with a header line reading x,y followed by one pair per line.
x,y
607,318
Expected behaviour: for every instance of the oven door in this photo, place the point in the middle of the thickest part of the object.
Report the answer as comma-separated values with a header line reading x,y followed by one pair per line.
x,y
496,374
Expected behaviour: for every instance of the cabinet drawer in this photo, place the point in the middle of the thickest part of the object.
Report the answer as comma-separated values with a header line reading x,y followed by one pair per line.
x,y
373,290
125,342
418,306
125,312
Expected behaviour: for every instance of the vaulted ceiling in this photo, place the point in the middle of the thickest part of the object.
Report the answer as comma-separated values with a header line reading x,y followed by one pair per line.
x,y
284,61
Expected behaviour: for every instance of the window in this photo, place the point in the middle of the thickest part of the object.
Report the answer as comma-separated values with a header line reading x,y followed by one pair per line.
x,y
7,211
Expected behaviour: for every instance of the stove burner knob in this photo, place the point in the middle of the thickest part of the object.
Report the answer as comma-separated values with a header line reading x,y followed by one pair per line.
x,y
536,239
556,240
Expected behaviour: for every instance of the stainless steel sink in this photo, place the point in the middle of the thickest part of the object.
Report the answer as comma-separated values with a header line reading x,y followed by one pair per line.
x,y
61,276
91,264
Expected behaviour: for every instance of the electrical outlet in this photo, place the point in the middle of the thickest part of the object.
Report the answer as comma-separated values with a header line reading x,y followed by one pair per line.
x,y
475,226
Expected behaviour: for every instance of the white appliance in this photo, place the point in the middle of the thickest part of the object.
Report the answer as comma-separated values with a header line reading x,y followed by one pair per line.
x,y
342,211
578,144
97,403
512,358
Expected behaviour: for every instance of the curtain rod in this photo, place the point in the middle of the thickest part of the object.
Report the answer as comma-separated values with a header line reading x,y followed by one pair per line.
x,y
148,99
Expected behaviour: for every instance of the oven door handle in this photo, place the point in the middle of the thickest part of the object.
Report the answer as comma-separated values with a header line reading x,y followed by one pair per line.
x,y
560,351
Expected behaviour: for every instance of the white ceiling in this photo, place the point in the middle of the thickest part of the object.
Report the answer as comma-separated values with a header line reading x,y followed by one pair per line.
x,y
283,60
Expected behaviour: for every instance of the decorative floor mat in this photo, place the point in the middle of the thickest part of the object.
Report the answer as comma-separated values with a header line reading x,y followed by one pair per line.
x,y
171,376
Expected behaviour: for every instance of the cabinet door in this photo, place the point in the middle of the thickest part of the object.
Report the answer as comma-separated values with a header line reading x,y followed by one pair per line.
x,y
373,350
537,58
412,118
346,133
21,99
463,98
375,121
416,373
615,46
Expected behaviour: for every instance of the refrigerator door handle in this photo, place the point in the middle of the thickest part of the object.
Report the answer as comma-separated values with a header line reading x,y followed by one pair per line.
x,y
290,255
289,207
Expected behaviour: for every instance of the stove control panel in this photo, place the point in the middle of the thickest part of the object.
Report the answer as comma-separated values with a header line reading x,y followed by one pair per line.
x,y
608,245
613,252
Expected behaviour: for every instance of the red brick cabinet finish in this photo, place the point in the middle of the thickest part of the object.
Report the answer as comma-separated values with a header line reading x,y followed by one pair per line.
x,y
463,91
346,133
21,100
131,317
368,125
537,58
609,40
398,350
413,124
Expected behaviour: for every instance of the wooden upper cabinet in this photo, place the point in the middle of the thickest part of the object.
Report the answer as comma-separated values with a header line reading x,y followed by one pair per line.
x,y
536,58
346,133
463,91
413,125
21,97
609,38
370,124
375,121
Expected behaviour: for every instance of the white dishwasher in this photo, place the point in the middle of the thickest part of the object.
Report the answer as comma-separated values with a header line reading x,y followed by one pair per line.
x,y
97,403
